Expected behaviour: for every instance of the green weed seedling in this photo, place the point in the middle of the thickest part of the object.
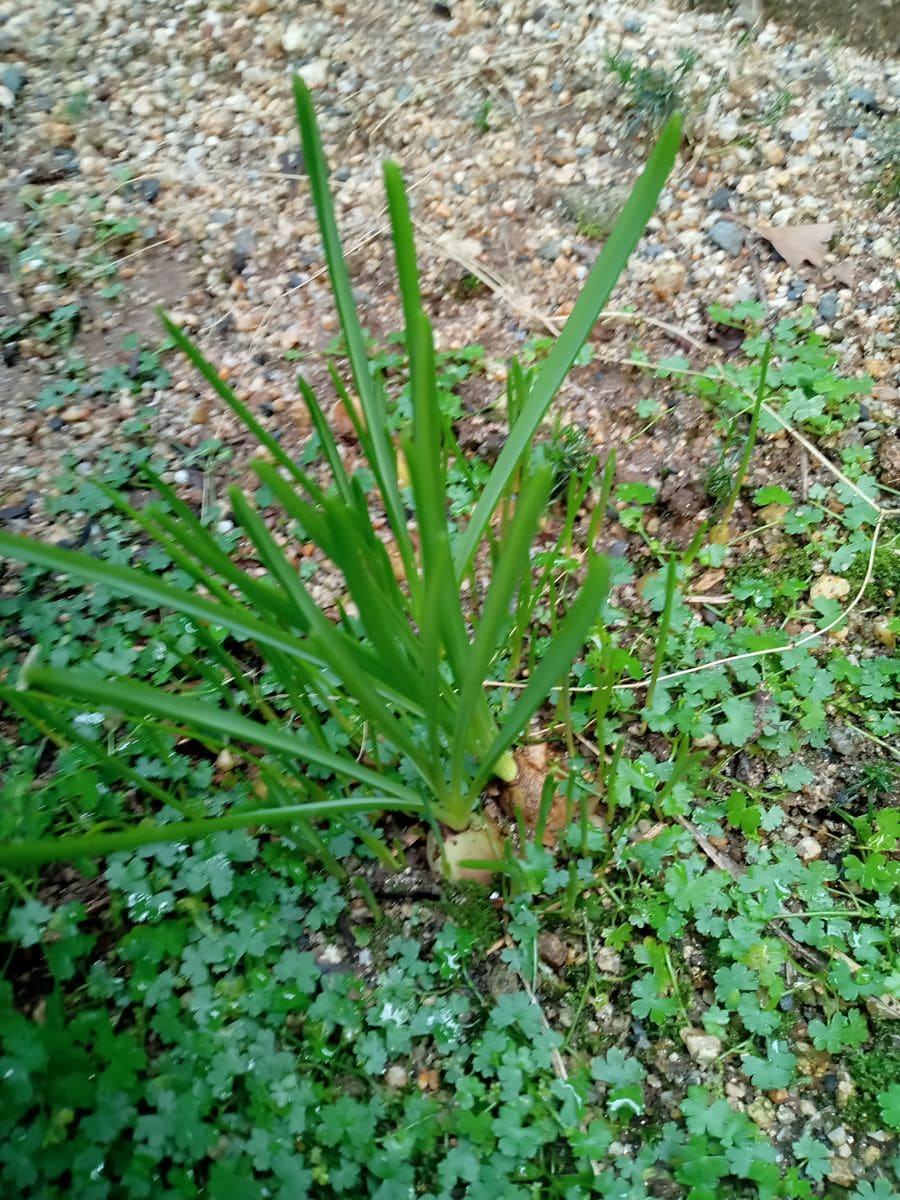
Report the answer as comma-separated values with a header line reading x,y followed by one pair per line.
x,y
652,93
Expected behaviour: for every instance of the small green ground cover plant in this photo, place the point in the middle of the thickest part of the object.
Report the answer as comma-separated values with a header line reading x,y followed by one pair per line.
x,y
247,997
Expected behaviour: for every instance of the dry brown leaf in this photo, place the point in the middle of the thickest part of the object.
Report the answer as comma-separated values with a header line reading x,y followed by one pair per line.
x,y
708,580
523,795
845,274
798,244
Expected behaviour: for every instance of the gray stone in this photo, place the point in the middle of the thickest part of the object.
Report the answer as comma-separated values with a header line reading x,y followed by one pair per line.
x,y
828,307
14,78
720,200
65,159
863,96
292,162
550,251
861,133
727,236
244,245
843,741
147,189
796,290
632,25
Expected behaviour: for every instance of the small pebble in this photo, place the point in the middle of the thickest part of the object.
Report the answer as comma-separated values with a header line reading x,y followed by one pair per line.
x,y
828,307
727,236
720,200
147,189
609,961
13,78
882,247
396,1076
704,1048
315,73
809,849
553,950
862,96
843,741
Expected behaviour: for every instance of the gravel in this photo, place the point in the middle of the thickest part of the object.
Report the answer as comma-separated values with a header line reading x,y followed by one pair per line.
x,y
181,117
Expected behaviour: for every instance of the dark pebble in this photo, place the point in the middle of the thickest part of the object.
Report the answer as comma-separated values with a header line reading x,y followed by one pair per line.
x,y
342,174
148,189
55,424
14,512
786,1003
828,307
720,200
292,162
637,1029
266,409
830,1083
865,413
796,290
65,159
442,10
244,245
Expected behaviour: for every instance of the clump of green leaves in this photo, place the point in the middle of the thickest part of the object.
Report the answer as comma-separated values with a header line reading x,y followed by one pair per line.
x,y
399,662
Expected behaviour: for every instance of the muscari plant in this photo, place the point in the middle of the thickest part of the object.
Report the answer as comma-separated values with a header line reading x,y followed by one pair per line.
x,y
413,644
